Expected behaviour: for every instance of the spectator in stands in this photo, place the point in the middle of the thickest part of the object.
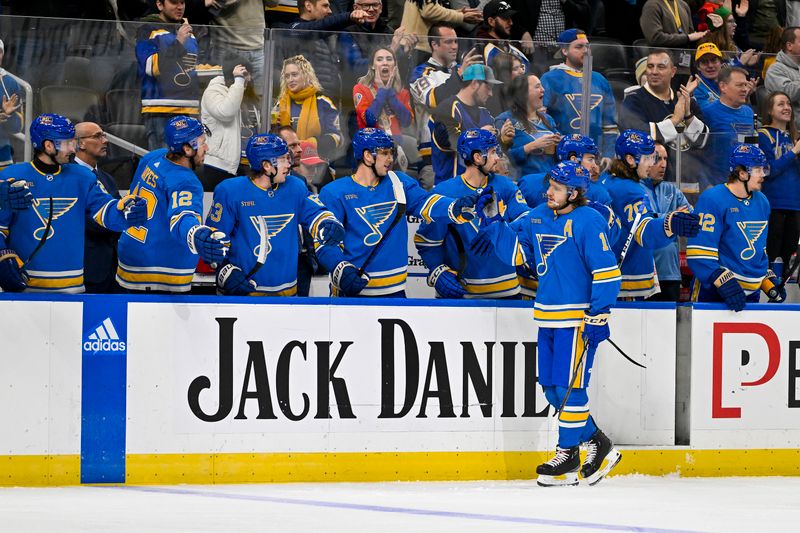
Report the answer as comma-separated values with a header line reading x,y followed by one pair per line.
x,y
730,121
317,48
496,31
302,105
669,24
465,110
10,114
708,62
535,134
772,46
661,112
563,90
166,51
665,197
784,74
722,27
241,31
221,111
780,142
433,82
420,15
762,19
100,244
313,168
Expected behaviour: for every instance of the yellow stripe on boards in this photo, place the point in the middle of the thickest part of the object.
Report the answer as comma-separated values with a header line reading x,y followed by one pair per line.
x,y
39,470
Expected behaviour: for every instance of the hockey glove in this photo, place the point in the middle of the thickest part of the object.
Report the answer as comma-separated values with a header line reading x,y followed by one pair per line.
x,y
14,195
345,278
463,209
487,208
483,243
12,279
446,283
729,289
231,281
773,289
681,223
330,231
209,244
595,328
134,209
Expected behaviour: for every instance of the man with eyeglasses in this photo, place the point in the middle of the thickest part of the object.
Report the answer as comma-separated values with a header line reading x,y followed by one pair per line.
x,y
100,246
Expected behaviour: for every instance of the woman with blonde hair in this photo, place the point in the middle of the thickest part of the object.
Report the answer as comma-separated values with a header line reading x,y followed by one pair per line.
x,y
302,105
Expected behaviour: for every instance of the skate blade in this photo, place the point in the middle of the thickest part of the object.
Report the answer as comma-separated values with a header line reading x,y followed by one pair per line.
x,y
570,479
612,459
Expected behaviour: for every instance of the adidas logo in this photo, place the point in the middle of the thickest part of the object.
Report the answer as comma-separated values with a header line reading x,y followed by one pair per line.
x,y
104,339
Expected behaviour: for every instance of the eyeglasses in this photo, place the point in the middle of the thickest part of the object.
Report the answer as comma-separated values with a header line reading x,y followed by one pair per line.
x,y
369,7
96,136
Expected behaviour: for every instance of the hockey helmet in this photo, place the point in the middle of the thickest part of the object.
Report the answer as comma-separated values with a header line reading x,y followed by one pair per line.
x,y
370,139
571,174
748,156
51,127
636,143
475,140
265,147
182,130
575,144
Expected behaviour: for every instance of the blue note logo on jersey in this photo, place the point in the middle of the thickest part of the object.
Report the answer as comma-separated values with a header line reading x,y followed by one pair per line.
x,y
274,224
547,245
375,215
752,231
576,102
41,207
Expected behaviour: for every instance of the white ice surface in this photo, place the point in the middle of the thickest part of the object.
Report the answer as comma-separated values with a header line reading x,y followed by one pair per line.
x,y
627,503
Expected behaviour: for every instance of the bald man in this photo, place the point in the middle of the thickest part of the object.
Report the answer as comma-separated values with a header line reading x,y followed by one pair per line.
x,y
100,250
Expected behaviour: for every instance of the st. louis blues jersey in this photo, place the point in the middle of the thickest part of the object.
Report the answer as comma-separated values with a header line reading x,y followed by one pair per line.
x,y
440,242
570,253
449,120
240,206
629,198
74,194
368,212
733,235
157,256
727,127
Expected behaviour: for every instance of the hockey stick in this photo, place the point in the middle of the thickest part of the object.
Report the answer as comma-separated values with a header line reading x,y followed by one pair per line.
x,y
400,197
462,252
262,249
574,377
788,274
43,240
614,344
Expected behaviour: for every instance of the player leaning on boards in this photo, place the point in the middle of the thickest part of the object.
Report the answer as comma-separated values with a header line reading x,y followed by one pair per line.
x,y
635,155
565,242
729,256
161,254
50,232
371,202
454,271
265,209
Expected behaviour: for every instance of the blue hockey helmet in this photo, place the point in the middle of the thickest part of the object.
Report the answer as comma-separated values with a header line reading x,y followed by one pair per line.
x,y
265,147
51,127
475,140
748,156
636,143
370,139
571,174
182,130
577,145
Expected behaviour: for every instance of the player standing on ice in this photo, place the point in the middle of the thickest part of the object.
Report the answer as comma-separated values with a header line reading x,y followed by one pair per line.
x,y
565,242
729,256
265,209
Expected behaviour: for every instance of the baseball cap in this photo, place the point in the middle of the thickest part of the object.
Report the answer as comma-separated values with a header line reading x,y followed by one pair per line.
x,y
480,72
707,48
497,8
310,156
572,34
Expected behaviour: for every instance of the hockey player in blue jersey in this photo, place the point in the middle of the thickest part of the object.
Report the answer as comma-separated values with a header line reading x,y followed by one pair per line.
x,y
630,202
50,233
161,254
728,257
566,243
372,201
267,207
454,271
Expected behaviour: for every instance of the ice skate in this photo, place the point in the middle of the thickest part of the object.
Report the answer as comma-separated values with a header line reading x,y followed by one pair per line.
x,y
599,450
561,470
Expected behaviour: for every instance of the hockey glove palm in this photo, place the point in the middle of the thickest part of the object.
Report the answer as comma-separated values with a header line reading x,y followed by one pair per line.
x,y
231,281
595,328
134,209
210,245
14,195
463,209
446,283
729,289
12,279
681,223
330,231
346,279
773,289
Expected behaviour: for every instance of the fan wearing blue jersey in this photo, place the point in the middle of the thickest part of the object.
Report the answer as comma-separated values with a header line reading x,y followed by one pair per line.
x,y
565,242
267,208
45,217
729,257
454,271
371,204
636,154
161,254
